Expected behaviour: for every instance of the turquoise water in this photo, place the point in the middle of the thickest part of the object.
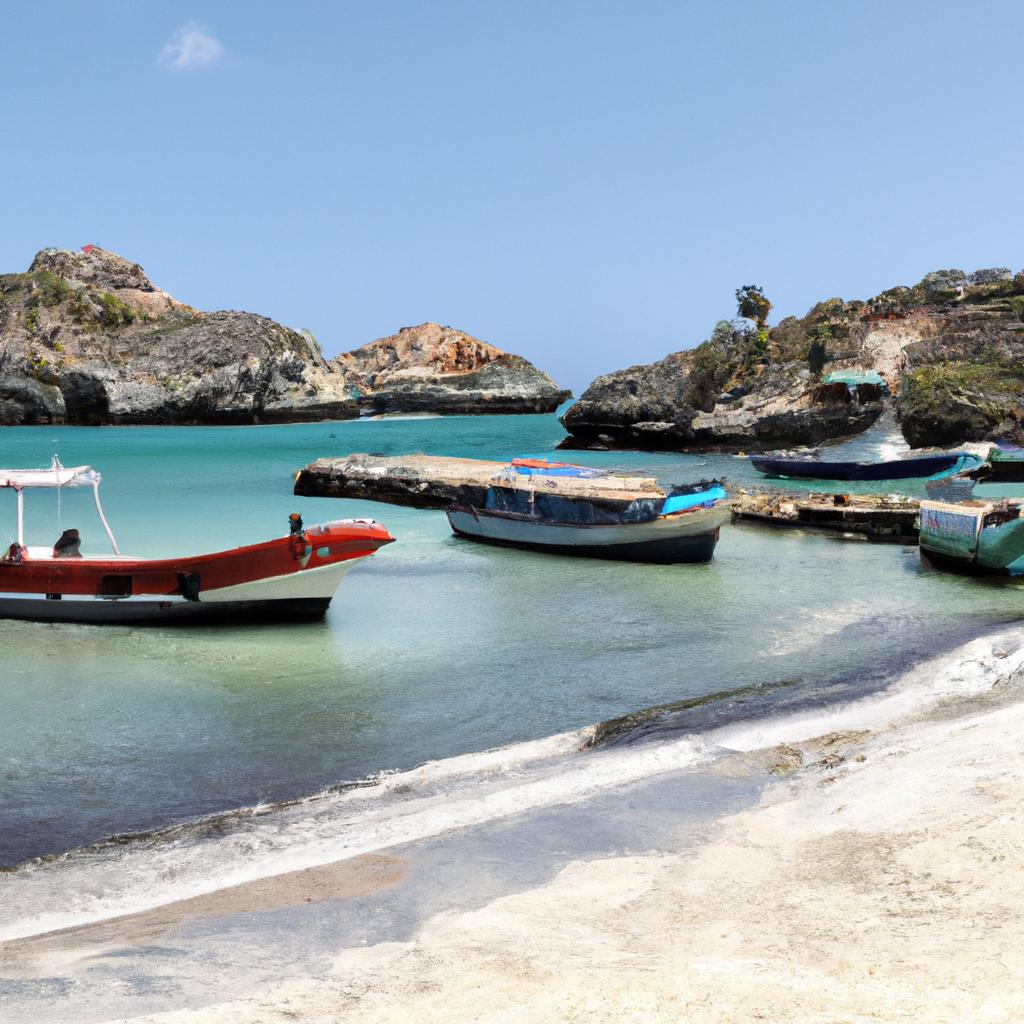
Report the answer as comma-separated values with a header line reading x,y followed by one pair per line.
x,y
434,647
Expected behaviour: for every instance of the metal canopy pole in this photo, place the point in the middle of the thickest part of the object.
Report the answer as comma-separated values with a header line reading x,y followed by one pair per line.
x,y
57,467
103,518
21,516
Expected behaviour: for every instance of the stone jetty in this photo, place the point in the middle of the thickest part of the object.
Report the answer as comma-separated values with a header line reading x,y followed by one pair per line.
x,y
873,516
431,481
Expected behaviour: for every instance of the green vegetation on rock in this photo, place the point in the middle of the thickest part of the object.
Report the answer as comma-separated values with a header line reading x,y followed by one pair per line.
x,y
51,289
949,347
949,402
113,312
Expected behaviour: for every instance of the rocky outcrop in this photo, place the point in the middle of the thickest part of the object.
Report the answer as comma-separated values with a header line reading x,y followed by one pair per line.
x,y
723,394
651,407
440,369
85,337
950,353
965,382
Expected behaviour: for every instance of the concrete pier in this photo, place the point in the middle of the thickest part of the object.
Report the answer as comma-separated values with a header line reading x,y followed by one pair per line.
x,y
430,481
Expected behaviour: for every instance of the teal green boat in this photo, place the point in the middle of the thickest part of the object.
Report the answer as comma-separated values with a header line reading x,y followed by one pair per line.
x,y
974,536
1005,465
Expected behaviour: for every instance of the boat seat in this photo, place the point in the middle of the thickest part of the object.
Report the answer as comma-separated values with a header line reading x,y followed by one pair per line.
x,y
39,554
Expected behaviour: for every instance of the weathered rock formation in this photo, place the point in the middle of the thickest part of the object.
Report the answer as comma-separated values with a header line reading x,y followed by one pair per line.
x,y
85,337
965,380
951,351
778,404
439,369
723,393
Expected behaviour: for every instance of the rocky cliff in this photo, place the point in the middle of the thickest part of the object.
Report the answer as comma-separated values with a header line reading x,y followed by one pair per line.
x,y
950,350
85,337
440,369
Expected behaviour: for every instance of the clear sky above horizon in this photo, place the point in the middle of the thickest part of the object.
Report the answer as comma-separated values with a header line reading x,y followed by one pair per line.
x,y
583,183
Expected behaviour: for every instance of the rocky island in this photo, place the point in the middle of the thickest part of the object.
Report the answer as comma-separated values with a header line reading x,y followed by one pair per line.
x,y
948,351
431,368
86,338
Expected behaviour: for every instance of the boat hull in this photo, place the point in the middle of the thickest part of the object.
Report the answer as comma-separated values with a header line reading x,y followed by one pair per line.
x,y
1007,469
669,540
973,538
896,469
286,578
171,611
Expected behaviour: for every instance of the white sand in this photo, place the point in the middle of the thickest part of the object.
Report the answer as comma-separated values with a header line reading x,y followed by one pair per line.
x,y
885,882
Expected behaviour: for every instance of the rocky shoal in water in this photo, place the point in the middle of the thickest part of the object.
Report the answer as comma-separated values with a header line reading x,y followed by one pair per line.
x,y
86,338
949,351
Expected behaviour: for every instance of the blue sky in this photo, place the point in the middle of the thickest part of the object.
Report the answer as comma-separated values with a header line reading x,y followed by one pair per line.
x,y
583,183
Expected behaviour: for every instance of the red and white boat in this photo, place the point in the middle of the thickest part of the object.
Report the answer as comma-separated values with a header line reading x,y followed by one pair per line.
x,y
285,578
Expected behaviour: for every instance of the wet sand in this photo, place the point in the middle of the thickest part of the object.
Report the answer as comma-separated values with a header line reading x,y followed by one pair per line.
x,y
880,877
57,951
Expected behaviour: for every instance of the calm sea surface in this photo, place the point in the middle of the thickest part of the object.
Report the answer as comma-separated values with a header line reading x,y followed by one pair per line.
x,y
434,647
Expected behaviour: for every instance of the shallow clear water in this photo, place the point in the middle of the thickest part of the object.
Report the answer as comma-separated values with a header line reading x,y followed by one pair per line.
x,y
432,648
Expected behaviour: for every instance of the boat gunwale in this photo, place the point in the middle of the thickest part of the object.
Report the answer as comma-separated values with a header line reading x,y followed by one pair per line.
x,y
521,517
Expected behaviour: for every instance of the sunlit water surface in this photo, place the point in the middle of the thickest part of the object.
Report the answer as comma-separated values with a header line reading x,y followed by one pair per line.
x,y
434,647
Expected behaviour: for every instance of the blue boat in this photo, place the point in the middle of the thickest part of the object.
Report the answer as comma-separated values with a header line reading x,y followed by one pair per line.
x,y
929,467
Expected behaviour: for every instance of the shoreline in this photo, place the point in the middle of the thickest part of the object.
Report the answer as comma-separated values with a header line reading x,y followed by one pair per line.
x,y
838,895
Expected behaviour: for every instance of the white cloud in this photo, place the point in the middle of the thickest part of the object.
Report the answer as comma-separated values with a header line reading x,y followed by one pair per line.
x,y
191,47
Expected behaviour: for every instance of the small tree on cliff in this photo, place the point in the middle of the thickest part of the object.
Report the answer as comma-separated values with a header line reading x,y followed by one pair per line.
x,y
753,304
712,365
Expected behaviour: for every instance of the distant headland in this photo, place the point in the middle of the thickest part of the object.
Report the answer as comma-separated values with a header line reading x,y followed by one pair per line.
x,y
86,338
949,351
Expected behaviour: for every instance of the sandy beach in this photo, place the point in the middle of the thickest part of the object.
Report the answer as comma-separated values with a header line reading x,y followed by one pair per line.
x,y
879,877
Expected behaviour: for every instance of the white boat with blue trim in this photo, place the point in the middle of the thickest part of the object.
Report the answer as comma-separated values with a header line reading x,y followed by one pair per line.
x,y
528,510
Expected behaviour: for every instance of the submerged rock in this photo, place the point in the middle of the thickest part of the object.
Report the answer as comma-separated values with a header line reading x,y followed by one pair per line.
x,y
86,337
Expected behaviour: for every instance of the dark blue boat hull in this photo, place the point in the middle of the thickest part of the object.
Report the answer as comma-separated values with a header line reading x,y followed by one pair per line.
x,y
674,552
897,469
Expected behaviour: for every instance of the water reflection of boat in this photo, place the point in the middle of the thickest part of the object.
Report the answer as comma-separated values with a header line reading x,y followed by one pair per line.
x,y
288,577
921,466
979,536
680,526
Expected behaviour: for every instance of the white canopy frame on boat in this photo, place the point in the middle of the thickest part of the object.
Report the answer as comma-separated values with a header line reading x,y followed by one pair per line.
x,y
57,476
